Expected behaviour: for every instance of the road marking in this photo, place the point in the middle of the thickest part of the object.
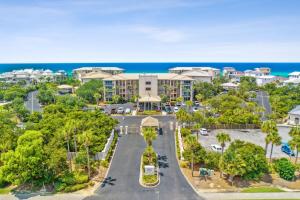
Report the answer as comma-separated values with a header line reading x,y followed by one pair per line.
x,y
171,126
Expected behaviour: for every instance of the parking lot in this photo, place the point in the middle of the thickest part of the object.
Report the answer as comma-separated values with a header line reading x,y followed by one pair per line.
x,y
251,135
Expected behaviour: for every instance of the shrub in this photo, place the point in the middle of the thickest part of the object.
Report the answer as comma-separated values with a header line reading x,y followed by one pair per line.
x,y
149,156
75,187
184,164
211,160
149,179
185,132
104,163
285,169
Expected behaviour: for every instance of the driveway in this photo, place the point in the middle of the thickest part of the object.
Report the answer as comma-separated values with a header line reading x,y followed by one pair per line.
x,y
252,135
123,177
32,103
262,98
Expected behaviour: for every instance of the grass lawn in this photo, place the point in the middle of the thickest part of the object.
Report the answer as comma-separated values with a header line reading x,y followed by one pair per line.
x,y
149,179
261,190
5,190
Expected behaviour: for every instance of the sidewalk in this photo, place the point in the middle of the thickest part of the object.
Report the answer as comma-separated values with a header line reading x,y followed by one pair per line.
x,y
234,196
43,197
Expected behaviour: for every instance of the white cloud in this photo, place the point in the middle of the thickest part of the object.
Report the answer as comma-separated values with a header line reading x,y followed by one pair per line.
x,y
162,34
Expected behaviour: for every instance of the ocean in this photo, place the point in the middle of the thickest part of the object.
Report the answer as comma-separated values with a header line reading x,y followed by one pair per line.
x,y
280,69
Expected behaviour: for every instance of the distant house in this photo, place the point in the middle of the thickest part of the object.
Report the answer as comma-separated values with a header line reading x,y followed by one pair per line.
x,y
294,116
65,89
294,75
262,80
230,86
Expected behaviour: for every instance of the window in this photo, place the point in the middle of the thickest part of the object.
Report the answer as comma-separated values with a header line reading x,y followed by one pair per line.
x,y
148,82
148,89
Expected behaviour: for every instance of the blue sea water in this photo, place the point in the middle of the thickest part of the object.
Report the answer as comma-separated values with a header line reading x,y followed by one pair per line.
x,y
281,69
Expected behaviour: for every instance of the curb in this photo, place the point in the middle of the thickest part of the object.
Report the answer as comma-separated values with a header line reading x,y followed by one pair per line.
x,y
96,186
192,186
141,177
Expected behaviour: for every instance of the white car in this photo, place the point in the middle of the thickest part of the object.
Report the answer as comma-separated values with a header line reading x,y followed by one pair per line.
x,y
183,103
120,110
216,147
127,111
176,109
195,109
203,131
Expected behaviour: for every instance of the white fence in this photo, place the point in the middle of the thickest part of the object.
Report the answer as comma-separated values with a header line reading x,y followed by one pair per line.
x,y
102,155
180,143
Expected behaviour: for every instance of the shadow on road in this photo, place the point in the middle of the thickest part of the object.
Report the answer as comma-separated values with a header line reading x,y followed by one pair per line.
x,y
108,181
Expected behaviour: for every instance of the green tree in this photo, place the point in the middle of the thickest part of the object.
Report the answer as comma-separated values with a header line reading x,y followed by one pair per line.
x,y
268,127
89,89
97,96
274,139
189,104
222,139
295,141
285,169
179,99
25,164
244,159
149,134
86,138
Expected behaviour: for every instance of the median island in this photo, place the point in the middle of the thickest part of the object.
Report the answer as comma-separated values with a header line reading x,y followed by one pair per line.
x,y
149,173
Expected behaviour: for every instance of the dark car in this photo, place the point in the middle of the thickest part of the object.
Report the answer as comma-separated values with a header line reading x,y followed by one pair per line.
x,y
168,109
113,111
287,149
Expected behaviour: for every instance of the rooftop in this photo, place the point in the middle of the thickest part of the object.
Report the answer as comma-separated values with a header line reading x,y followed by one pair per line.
x,y
295,111
294,74
136,76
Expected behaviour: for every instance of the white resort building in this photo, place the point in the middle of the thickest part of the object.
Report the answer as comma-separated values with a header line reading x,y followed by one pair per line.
x,y
294,79
147,88
32,75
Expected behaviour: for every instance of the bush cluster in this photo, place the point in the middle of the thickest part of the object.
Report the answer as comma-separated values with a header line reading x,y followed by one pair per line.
x,y
285,169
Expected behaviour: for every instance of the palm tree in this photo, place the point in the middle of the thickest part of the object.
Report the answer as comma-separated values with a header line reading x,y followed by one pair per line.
x,y
66,133
199,97
295,141
222,139
268,127
189,104
86,138
150,134
97,97
72,127
192,145
274,139
197,127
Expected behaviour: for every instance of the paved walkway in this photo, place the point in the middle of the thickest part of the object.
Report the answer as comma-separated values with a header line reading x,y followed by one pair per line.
x,y
232,196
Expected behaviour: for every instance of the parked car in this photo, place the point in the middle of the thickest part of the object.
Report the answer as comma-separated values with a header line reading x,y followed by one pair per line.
x,y
197,103
178,104
113,111
287,149
120,110
203,131
176,109
195,109
183,103
127,111
216,147
168,109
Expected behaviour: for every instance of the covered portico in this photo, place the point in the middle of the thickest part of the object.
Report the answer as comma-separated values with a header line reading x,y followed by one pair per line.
x,y
150,122
150,102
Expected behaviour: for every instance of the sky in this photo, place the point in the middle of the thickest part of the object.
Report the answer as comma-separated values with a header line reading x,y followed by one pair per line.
x,y
149,31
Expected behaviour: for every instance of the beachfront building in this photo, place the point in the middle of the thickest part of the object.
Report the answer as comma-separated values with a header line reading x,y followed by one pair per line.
x,y
204,74
294,75
262,71
32,76
232,74
230,86
88,73
148,89
294,79
262,80
294,116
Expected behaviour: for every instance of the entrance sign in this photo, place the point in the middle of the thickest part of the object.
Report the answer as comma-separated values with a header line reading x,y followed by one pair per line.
x,y
149,169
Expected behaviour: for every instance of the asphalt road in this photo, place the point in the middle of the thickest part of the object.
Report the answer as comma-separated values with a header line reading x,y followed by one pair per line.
x,y
123,177
262,98
32,103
